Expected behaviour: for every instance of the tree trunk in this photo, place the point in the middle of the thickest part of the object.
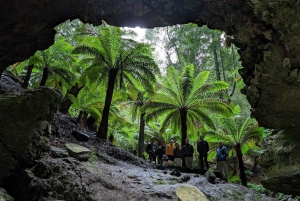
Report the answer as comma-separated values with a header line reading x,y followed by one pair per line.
x,y
255,164
233,64
82,118
91,123
183,117
27,77
222,63
66,102
102,132
218,75
141,136
241,164
45,76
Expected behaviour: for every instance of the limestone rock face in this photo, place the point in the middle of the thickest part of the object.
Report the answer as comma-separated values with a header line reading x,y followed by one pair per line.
x,y
189,193
282,160
24,127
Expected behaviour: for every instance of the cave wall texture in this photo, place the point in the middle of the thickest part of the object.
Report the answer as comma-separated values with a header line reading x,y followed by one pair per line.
x,y
267,33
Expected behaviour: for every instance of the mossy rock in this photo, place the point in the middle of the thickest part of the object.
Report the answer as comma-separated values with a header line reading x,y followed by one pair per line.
x,y
190,193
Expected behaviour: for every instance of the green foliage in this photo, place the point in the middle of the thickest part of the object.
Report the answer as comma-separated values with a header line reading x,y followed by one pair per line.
x,y
258,188
235,130
233,178
185,92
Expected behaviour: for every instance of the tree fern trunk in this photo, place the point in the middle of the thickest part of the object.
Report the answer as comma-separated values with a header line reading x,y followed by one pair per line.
x,y
45,76
255,164
27,77
82,118
183,116
241,164
91,123
102,132
66,102
141,136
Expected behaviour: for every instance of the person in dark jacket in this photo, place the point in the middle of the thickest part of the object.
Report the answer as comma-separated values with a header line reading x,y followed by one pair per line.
x,y
222,160
177,155
151,149
203,148
160,151
188,151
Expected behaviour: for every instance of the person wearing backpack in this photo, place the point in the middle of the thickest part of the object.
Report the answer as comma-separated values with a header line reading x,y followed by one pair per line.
x,y
222,160
203,148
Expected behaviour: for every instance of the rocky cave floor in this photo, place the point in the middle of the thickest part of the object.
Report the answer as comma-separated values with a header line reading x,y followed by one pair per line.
x,y
114,174
107,173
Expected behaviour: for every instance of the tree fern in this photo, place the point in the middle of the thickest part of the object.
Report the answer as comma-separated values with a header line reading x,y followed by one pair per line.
x,y
185,99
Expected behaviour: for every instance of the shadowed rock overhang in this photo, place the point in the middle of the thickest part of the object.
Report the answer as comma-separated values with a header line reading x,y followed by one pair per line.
x,y
266,33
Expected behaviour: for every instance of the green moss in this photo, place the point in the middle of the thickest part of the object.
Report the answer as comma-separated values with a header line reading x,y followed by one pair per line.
x,y
93,157
160,182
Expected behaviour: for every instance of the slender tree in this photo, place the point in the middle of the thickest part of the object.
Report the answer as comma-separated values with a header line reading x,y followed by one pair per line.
x,y
135,106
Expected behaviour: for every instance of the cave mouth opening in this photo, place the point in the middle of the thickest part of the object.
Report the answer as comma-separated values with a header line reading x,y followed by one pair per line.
x,y
203,47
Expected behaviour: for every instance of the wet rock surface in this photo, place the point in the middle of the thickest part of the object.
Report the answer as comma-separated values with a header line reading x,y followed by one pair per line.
x,y
77,151
282,160
24,128
114,174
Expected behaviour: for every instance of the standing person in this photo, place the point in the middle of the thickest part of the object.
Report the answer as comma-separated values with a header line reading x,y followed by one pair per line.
x,y
203,148
222,160
150,149
177,155
160,151
188,151
170,150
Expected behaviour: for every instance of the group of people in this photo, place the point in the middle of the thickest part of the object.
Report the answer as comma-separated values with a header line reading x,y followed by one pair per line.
x,y
171,154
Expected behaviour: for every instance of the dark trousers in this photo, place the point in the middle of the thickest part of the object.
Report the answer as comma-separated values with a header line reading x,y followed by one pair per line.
x,y
201,158
152,157
171,157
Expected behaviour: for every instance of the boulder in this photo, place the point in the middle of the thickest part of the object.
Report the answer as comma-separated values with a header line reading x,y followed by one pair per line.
x,y
58,152
77,151
81,135
282,161
4,196
175,172
190,193
210,176
57,178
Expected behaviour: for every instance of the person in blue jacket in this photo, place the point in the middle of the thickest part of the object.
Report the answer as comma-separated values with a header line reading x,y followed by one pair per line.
x,y
222,160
